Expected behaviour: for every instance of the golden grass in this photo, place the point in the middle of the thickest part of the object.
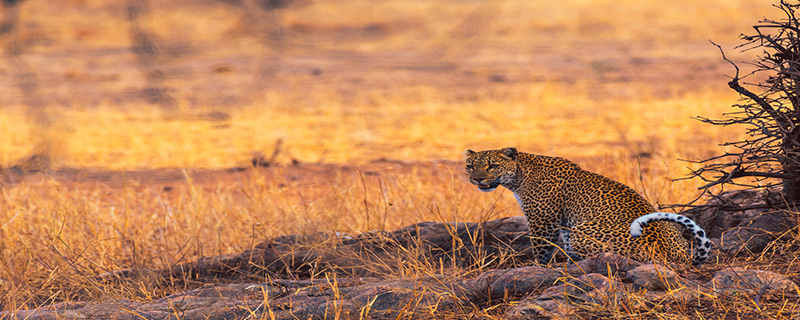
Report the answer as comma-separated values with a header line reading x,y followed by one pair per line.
x,y
55,236
72,232
615,135
419,124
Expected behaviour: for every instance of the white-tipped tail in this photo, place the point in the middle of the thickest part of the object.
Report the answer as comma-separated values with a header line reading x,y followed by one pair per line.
x,y
703,245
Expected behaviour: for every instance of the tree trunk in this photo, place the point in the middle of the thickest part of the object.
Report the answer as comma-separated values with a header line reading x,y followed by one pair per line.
x,y
791,190
791,187
791,161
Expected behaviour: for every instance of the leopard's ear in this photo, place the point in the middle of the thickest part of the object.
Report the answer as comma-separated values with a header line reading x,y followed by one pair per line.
x,y
468,152
510,153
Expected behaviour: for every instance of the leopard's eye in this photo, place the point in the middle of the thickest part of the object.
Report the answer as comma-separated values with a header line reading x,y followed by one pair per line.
x,y
494,166
469,167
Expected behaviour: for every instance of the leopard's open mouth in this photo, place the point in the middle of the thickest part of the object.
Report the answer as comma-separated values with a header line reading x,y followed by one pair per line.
x,y
485,187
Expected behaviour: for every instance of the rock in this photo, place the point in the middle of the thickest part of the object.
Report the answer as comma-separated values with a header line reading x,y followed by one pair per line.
x,y
379,299
346,298
753,235
654,277
312,299
743,217
364,255
566,299
753,283
121,309
733,208
498,284
607,264
744,222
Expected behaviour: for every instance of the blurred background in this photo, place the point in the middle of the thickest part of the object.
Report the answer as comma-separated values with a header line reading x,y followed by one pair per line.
x,y
202,83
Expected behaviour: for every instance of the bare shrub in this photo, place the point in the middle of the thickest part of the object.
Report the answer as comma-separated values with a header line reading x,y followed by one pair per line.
x,y
770,111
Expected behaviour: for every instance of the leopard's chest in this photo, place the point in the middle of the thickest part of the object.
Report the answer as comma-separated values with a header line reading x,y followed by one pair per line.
x,y
519,200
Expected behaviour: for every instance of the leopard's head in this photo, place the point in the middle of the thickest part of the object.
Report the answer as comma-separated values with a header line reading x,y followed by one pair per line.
x,y
490,168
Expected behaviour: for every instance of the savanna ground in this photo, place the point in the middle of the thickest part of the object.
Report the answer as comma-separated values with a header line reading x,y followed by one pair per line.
x,y
121,121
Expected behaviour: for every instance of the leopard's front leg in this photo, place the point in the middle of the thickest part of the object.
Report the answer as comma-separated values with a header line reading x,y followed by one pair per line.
x,y
544,234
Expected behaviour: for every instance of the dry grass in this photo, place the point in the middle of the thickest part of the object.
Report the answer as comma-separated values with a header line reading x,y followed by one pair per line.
x,y
56,235
419,125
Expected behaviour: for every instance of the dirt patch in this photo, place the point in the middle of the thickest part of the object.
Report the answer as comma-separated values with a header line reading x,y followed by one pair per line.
x,y
302,173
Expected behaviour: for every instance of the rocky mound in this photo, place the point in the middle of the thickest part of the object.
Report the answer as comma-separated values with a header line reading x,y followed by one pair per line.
x,y
341,276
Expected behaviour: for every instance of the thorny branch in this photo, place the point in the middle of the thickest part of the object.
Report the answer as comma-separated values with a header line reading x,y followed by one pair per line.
x,y
770,114
765,106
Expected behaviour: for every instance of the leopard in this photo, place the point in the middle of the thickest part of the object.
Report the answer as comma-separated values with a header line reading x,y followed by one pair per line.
x,y
582,213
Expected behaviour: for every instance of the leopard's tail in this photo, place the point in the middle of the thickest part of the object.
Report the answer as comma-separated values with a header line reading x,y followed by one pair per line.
x,y
702,243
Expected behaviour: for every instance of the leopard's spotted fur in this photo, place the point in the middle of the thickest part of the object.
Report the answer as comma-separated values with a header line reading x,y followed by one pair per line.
x,y
586,212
